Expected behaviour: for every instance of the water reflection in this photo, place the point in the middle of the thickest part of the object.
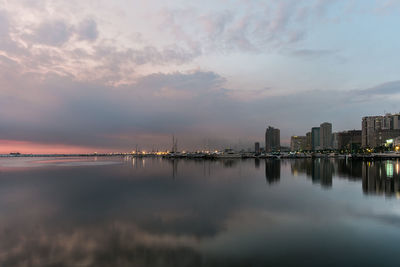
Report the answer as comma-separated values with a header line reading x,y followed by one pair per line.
x,y
319,170
214,213
272,171
257,163
378,177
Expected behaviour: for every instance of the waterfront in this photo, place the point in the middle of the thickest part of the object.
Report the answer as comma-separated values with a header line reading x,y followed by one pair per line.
x,y
127,211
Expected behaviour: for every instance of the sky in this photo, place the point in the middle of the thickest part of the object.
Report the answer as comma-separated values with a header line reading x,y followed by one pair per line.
x,y
102,76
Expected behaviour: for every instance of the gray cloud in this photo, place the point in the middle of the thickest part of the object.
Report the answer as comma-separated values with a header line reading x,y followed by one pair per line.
x,y
87,30
7,44
4,24
53,33
43,48
388,88
194,106
72,93
260,27
61,110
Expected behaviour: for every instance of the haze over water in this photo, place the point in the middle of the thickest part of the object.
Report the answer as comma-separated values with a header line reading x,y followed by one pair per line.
x,y
159,212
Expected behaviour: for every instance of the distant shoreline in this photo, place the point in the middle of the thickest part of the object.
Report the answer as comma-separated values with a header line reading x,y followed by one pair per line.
x,y
62,155
372,156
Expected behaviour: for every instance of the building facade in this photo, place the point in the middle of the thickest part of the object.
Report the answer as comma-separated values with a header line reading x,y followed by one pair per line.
x,y
375,130
325,136
298,143
257,147
335,140
309,141
349,140
272,139
315,138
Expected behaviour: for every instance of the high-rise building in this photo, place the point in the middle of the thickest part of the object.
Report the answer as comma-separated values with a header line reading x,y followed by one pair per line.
x,y
375,130
349,140
335,140
272,139
368,127
309,141
315,133
298,143
257,147
325,137
396,121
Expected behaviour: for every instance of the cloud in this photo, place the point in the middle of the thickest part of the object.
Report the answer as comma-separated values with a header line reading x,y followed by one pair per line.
x,y
193,105
314,53
59,32
321,6
53,33
388,88
67,78
4,24
7,44
87,30
259,27
54,45
58,109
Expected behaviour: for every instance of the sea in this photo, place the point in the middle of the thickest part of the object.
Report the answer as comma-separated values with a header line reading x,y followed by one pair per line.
x,y
127,211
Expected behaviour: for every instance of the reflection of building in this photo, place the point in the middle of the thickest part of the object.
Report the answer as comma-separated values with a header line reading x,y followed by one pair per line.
x,y
315,138
257,163
322,171
381,177
272,139
298,143
325,135
378,177
350,169
272,170
377,129
299,166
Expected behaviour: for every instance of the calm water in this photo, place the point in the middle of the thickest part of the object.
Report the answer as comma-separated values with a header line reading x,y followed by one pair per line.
x,y
154,212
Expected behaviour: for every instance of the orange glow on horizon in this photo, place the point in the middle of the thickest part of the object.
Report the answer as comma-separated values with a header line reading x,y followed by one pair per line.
x,y
26,147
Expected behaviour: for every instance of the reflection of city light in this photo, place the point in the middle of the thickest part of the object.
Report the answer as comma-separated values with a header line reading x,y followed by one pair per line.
x,y
389,169
397,168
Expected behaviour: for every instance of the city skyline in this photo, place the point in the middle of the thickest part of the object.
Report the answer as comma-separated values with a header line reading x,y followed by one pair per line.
x,y
80,77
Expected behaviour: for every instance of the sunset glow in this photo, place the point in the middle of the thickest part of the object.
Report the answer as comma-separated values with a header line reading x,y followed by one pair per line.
x,y
24,147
